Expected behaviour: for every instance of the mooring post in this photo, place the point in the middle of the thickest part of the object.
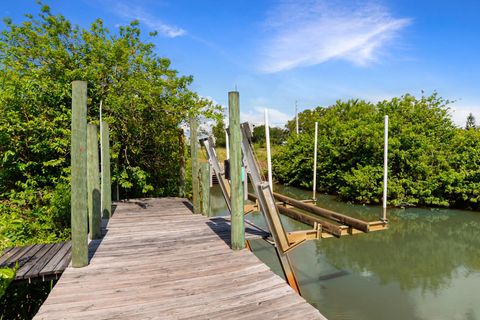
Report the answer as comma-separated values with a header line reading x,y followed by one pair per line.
x,y
385,169
79,175
205,173
106,179
238,224
181,176
93,184
195,167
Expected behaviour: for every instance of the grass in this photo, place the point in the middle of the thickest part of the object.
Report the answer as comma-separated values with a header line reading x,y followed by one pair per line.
x,y
260,153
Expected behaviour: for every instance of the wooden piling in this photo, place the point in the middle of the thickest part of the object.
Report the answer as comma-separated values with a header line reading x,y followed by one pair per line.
x,y
79,175
181,158
93,183
106,179
195,167
205,186
238,224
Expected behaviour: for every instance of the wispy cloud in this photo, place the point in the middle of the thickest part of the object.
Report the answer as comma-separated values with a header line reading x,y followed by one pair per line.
x,y
310,32
256,116
138,13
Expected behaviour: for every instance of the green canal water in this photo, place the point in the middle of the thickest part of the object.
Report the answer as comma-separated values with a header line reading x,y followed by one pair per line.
x,y
425,266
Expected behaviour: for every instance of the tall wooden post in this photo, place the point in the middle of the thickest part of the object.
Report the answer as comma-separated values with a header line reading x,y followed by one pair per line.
x,y
238,224
205,173
195,176
106,180
181,156
79,175
93,183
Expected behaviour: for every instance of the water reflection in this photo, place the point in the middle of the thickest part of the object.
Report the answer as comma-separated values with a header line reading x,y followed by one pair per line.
x,y
425,266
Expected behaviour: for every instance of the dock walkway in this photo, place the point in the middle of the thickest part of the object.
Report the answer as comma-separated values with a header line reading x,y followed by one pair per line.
x,y
160,261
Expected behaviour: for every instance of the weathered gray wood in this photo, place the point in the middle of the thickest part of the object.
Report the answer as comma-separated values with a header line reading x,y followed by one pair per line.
x,y
93,184
195,165
8,253
25,263
41,262
51,266
79,174
173,266
205,187
106,191
33,259
236,195
181,160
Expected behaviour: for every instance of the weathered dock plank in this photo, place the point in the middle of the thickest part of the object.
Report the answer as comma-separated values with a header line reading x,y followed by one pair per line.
x,y
160,261
37,261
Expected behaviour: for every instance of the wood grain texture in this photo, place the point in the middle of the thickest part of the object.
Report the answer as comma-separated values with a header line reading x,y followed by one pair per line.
x,y
39,260
160,261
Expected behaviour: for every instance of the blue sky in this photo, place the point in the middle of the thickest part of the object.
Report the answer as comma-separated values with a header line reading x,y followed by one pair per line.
x,y
311,51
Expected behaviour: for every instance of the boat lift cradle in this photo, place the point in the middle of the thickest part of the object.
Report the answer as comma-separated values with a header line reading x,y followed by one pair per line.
x,y
266,200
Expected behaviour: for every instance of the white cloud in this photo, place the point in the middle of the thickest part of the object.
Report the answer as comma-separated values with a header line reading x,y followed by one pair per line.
x,y
257,117
310,32
460,113
131,12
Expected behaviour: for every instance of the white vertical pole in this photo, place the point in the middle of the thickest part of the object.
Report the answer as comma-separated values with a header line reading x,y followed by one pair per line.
x,y
296,117
101,150
269,155
385,170
315,162
227,144
245,183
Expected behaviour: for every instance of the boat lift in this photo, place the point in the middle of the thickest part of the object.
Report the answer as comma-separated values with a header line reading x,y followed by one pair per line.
x,y
272,204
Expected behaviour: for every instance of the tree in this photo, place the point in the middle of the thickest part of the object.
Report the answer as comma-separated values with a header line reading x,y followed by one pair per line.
x,y
431,162
277,135
470,122
144,100
218,132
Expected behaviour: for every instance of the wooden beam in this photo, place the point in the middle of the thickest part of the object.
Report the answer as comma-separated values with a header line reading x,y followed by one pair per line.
x,y
356,223
93,184
106,178
195,166
205,187
238,227
302,217
79,175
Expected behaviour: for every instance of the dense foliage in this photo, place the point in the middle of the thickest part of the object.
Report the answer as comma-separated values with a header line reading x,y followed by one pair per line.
x,y
6,277
431,162
277,135
22,300
144,100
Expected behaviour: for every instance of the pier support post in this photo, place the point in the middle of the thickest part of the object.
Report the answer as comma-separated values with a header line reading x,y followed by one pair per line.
x,y
106,179
181,151
79,175
205,173
238,224
195,173
93,184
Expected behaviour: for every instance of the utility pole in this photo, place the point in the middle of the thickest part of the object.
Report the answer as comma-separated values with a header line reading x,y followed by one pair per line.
x,y
296,117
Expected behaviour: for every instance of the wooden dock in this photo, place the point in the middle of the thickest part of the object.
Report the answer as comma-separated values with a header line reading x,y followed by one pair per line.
x,y
160,261
39,261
